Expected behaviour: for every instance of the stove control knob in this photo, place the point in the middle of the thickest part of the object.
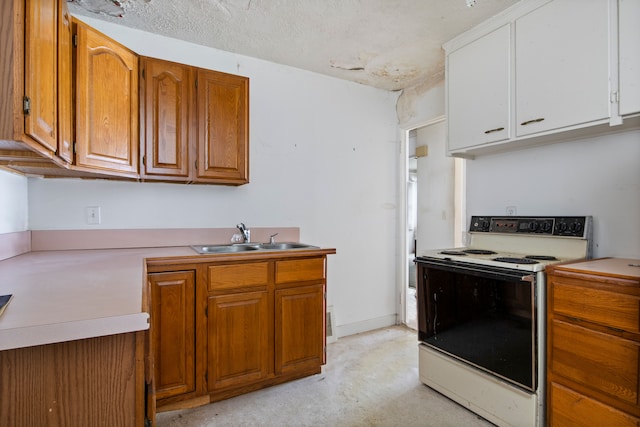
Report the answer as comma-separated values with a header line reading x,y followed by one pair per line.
x,y
546,226
533,226
576,227
562,227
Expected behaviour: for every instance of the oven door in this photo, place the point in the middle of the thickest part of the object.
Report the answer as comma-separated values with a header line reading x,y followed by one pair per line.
x,y
482,315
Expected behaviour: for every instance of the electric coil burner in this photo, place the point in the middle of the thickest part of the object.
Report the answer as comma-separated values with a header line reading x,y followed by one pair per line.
x,y
481,313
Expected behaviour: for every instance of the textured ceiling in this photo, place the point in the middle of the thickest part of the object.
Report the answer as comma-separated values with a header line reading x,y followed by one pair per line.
x,y
388,44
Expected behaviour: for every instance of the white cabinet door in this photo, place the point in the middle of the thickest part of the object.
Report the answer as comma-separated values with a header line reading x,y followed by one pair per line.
x,y
562,65
629,48
478,91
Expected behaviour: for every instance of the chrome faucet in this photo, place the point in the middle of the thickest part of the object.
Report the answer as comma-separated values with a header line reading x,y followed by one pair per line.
x,y
246,233
272,238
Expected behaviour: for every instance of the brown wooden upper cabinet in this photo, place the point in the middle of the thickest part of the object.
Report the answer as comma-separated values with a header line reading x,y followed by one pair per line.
x,y
36,81
106,104
196,124
40,72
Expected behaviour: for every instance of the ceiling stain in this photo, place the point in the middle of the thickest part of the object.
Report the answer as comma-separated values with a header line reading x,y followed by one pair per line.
x,y
388,44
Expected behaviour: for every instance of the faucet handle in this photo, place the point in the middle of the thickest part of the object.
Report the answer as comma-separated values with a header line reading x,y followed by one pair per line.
x,y
271,238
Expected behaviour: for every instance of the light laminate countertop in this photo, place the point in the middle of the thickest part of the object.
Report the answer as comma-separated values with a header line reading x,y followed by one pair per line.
x,y
75,294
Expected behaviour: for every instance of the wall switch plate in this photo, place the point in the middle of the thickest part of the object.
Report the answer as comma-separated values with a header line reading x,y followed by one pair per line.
x,y
511,211
93,214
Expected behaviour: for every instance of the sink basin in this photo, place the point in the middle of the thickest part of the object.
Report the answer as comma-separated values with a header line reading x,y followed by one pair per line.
x,y
247,247
284,246
223,249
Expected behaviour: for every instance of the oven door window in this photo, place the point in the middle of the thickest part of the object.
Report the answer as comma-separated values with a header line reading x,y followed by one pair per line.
x,y
482,318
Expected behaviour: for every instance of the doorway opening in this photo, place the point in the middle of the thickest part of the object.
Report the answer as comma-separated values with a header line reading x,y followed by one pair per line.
x,y
432,205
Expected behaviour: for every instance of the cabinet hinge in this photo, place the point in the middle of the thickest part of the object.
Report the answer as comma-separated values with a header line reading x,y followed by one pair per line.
x,y
75,40
144,160
143,75
206,311
196,83
26,105
206,376
74,147
614,98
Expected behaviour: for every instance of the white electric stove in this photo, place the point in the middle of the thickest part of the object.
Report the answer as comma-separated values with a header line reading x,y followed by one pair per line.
x,y
482,313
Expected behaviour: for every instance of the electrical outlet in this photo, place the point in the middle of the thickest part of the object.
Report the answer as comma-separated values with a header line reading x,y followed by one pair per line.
x,y
511,211
93,214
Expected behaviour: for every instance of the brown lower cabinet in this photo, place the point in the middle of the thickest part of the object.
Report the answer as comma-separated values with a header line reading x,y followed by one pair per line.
x,y
89,382
593,343
241,325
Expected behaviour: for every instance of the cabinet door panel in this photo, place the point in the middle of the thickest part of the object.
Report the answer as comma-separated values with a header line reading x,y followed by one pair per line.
x,y
300,270
562,71
629,15
224,277
223,127
596,360
572,409
595,305
299,328
238,344
166,112
107,103
173,332
479,95
40,74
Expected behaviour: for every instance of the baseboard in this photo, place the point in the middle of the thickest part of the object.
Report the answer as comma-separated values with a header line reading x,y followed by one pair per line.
x,y
366,325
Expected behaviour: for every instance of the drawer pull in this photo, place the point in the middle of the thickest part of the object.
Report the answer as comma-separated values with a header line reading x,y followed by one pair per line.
x,y
493,130
528,122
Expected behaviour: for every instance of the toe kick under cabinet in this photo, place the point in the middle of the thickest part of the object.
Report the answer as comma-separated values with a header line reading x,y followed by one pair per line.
x,y
227,327
593,343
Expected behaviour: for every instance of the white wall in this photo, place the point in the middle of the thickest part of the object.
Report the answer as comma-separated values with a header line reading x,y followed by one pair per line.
x,y
323,157
13,203
436,211
595,176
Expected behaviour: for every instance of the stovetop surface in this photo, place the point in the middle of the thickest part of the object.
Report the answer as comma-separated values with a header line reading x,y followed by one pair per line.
x,y
521,243
496,258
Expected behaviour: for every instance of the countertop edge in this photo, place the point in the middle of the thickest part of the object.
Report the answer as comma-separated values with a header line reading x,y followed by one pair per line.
x,y
30,336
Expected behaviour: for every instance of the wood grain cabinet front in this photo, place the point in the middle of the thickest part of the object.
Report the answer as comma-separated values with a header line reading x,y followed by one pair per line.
x,y
229,327
238,324
593,343
107,136
35,87
196,124
173,332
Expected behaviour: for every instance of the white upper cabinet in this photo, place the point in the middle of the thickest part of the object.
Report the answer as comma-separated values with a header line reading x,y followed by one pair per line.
x,y
478,90
543,71
629,48
562,65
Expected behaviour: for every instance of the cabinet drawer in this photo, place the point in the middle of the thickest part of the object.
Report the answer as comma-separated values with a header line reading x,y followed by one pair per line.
x,y
300,270
605,308
569,408
233,276
596,360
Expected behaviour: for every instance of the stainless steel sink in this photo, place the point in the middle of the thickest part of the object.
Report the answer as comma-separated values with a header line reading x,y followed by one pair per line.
x,y
284,246
223,249
250,247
